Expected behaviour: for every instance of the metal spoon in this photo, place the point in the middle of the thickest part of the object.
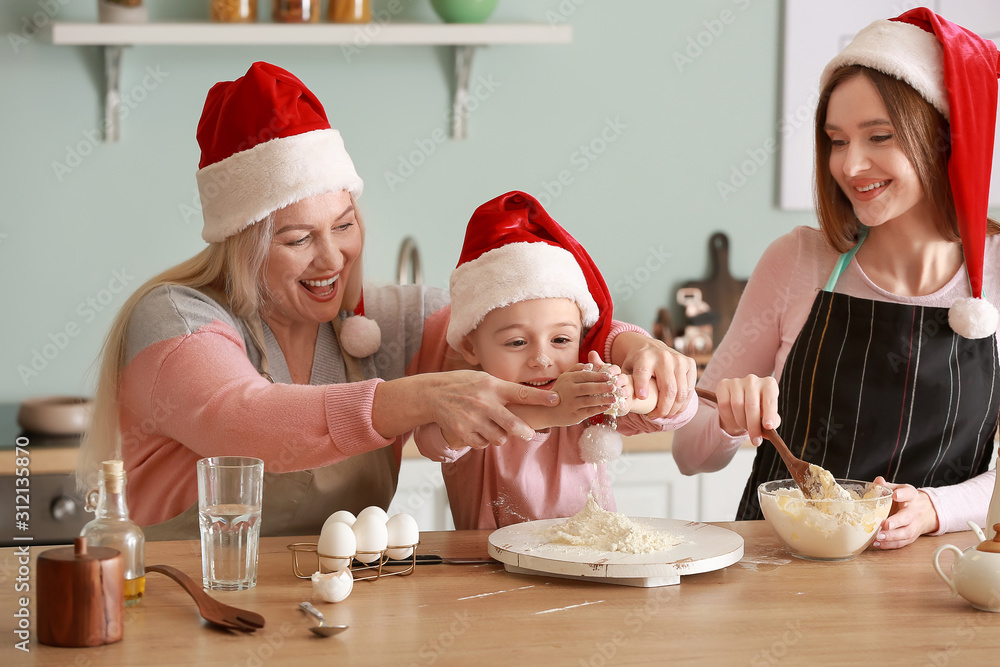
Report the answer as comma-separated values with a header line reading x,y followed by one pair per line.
x,y
323,630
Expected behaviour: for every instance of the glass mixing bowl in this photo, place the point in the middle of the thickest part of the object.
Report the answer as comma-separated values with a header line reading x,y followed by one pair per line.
x,y
825,529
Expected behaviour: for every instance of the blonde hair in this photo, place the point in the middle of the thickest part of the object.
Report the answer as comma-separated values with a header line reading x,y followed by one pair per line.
x,y
924,137
231,271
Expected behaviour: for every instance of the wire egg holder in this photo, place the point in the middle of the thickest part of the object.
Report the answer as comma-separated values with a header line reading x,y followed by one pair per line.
x,y
374,568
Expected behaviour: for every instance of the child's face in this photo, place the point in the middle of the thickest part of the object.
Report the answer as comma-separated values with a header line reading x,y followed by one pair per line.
x,y
530,342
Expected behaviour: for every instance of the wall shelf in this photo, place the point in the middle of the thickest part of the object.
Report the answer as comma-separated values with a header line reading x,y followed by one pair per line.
x,y
462,38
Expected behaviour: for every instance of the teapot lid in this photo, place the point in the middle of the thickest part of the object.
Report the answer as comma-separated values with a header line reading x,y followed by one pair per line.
x,y
993,545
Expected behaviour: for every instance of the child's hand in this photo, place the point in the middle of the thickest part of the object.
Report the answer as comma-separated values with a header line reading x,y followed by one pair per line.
x,y
583,392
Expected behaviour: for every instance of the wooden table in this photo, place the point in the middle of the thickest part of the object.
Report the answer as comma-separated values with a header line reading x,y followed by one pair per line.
x,y
768,609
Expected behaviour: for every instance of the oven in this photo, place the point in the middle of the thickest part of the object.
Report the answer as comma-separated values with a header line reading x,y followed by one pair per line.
x,y
55,513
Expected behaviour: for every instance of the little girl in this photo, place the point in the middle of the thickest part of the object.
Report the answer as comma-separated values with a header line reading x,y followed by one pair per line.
x,y
528,305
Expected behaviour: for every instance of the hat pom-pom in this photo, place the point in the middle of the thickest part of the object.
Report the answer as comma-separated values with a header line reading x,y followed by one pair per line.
x,y
600,444
973,318
360,336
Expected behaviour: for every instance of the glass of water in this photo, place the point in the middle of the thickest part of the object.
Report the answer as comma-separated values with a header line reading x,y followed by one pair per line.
x,y
229,502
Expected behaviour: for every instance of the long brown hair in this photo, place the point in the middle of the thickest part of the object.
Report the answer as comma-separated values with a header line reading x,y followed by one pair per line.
x,y
924,136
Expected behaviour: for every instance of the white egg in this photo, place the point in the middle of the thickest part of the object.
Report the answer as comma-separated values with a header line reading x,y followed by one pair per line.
x,y
333,586
375,511
337,539
403,531
371,536
343,516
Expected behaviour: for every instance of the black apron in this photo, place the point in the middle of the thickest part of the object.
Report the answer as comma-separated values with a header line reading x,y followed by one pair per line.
x,y
873,388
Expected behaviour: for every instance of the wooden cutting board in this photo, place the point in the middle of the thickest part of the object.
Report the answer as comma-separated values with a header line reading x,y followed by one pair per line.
x,y
524,549
721,291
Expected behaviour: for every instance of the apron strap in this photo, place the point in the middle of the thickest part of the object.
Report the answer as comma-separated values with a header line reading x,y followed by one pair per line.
x,y
845,259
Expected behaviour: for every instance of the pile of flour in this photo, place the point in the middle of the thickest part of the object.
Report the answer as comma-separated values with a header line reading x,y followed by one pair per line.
x,y
595,528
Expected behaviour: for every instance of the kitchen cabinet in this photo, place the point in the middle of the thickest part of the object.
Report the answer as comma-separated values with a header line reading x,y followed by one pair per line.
x,y
646,483
352,38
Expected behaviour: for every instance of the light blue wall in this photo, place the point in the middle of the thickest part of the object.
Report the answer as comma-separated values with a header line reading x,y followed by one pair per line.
x,y
120,211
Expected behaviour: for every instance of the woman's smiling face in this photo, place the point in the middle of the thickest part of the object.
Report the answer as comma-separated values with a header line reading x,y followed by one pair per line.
x,y
865,157
316,243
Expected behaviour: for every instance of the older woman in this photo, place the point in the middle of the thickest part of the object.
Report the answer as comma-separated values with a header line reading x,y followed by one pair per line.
x,y
868,336
263,345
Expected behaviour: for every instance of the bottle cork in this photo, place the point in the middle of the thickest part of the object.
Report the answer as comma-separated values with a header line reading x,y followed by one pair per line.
x,y
113,471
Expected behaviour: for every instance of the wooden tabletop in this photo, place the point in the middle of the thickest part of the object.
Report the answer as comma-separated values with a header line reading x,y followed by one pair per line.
x,y
768,609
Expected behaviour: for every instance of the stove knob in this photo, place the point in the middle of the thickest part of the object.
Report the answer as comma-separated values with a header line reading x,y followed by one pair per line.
x,y
63,508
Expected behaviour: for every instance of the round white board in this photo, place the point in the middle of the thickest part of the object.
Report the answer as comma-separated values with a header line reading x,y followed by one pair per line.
x,y
524,549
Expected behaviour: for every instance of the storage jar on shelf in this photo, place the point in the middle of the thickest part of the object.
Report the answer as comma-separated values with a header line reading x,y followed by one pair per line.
x,y
296,11
233,11
349,11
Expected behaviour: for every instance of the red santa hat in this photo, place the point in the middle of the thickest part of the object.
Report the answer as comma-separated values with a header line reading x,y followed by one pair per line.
x,y
514,251
266,143
956,71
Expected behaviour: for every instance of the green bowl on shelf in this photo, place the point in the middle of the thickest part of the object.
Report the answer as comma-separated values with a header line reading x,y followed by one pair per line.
x,y
464,11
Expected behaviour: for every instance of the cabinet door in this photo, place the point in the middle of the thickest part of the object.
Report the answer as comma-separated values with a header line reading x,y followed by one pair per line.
x,y
649,484
421,494
722,490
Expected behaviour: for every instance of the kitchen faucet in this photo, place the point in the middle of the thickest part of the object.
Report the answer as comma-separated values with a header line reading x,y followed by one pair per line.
x,y
408,266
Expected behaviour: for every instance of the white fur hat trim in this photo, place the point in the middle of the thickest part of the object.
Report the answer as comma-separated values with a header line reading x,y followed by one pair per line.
x,y
901,50
510,274
246,186
973,318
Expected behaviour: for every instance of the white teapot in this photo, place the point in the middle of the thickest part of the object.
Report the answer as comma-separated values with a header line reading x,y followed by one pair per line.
x,y
975,574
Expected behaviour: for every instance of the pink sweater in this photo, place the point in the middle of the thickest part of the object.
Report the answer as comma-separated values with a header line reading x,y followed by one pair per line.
x,y
770,315
521,481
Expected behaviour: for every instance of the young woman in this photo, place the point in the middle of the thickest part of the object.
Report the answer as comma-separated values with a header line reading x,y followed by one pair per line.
x,y
862,335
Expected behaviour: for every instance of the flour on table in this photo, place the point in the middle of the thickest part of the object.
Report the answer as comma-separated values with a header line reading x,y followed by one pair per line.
x,y
596,528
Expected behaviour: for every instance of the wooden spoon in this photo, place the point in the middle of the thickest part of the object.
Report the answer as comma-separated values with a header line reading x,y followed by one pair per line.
x,y
213,611
808,477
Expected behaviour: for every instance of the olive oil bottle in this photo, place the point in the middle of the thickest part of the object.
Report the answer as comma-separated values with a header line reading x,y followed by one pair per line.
x,y
111,527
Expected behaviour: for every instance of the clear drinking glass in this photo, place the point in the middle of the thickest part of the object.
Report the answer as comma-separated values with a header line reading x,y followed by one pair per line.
x,y
229,503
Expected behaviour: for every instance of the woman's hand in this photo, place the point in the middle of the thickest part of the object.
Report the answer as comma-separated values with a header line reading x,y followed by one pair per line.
x,y
748,405
644,358
470,407
911,516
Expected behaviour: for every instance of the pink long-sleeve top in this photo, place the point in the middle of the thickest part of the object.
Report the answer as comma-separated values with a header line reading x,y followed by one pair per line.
x,y
543,478
772,311
191,388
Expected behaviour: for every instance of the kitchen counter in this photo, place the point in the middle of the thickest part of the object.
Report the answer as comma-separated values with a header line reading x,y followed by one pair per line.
x,y
770,608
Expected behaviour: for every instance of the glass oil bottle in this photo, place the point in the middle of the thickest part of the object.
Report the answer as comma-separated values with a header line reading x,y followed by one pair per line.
x,y
111,527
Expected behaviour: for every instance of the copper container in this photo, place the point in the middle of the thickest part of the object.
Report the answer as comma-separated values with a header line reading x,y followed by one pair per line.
x,y
80,596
